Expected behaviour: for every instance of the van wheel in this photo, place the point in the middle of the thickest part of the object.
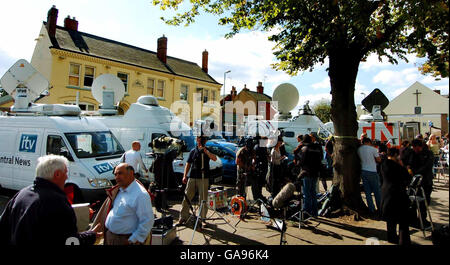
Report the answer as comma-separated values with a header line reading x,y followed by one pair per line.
x,y
73,193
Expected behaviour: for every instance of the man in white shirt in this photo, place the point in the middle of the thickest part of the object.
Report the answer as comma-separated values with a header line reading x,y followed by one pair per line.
x,y
133,157
369,158
131,218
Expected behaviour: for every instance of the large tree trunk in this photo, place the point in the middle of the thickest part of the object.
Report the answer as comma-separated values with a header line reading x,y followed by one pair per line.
x,y
343,70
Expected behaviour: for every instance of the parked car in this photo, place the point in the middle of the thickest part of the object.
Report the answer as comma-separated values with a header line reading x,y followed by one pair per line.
x,y
227,154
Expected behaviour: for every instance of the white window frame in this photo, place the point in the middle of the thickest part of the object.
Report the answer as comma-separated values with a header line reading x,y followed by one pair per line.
x,y
205,95
213,95
93,75
73,75
186,95
151,87
124,83
163,89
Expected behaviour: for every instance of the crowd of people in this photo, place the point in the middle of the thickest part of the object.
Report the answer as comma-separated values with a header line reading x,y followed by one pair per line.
x,y
42,213
259,165
387,173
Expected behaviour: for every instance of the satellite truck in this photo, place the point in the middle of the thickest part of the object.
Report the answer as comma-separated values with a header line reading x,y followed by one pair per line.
x,y
374,124
31,130
286,95
144,121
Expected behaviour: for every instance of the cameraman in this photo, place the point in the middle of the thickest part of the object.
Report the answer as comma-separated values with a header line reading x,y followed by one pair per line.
x,y
196,183
244,157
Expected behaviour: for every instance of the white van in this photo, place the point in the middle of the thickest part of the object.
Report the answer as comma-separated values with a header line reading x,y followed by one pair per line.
x,y
146,120
91,148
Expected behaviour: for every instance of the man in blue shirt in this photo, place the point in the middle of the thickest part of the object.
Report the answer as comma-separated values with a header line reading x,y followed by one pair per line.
x,y
131,218
197,183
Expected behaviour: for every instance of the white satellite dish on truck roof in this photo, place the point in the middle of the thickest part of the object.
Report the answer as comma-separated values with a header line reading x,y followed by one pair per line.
x,y
108,90
24,84
287,97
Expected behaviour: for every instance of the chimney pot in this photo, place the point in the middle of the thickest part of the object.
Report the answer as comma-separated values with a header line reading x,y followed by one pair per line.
x,y
233,92
260,88
162,49
205,61
71,23
52,17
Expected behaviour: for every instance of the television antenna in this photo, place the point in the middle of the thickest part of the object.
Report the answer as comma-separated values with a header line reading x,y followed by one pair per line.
x,y
24,83
287,97
108,90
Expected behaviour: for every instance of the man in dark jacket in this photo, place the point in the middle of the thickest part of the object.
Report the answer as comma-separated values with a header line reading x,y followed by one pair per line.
x,y
40,214
394,199
311,163
260,163
421,162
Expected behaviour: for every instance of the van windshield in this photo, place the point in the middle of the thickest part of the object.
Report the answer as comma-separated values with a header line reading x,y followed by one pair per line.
x,y
94,144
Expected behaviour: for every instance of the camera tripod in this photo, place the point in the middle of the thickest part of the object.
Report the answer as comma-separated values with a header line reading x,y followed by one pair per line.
x,y
299,216
202,204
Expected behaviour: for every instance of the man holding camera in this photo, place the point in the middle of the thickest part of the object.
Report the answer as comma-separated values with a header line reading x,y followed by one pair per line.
x,y
244,158
198,163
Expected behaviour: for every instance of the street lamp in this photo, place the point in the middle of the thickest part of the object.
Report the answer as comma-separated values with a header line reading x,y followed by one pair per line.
x,y
224,76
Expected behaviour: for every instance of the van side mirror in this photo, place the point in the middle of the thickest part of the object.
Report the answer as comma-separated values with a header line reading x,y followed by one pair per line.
x,y
67,155
150,145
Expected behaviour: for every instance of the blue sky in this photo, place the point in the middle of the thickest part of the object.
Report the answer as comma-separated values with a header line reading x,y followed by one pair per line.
x,y
248,55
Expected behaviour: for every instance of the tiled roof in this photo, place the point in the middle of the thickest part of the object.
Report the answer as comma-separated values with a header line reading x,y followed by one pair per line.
x,y
84,43
257,96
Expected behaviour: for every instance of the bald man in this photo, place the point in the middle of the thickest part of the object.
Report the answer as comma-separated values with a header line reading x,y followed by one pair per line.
x,y
133,158
131,218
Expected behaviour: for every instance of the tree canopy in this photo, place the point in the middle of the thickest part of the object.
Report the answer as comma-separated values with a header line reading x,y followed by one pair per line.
x,y
322,109
346,32
305,32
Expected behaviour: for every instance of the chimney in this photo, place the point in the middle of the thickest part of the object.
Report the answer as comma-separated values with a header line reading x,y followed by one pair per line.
x,y
71,23
52,17
233,93
205,61
437,91
260,88
162,49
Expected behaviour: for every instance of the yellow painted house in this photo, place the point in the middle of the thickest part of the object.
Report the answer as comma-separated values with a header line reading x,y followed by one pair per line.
x,y
71,60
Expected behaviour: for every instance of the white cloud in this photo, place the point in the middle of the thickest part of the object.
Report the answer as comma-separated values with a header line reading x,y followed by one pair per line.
x,y
373,62
325,83
397,78
247,55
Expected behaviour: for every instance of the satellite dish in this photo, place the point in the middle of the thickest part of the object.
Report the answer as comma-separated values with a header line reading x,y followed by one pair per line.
x,y
287,96
108,90
24,84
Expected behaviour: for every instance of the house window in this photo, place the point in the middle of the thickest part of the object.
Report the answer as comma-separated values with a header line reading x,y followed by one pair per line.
x,y
150,86
184,90
160,89
89,73
124,78
213,95
205,95
74,74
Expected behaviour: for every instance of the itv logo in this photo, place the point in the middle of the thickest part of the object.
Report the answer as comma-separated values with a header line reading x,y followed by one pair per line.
x,y
102,168
28,143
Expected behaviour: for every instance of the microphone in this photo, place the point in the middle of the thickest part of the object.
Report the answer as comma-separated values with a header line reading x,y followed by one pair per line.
x,y
285,194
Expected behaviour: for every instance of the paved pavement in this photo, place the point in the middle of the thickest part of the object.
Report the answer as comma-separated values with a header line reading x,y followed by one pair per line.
x,y
322,231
